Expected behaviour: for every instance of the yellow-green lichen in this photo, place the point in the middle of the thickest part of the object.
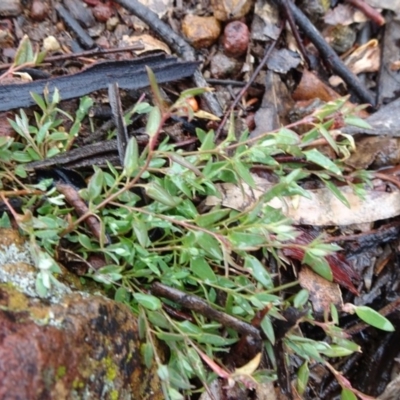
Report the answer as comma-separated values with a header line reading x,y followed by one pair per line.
x,y
78,384
61,371
114,395
111,369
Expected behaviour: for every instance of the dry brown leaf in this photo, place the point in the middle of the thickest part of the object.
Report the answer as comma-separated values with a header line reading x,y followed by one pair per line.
x,y
322,292
311,87
149,42
377,151
344,14
365,58
321,209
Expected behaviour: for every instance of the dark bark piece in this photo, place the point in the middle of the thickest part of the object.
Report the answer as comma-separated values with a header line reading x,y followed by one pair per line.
x,y
84,39
129,75
389,78
81,13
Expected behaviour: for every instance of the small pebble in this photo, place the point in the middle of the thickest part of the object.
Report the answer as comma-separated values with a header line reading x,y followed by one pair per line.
x,y
236,39
51,44
39,10
112,23
10,8
102,12
201,31
222,66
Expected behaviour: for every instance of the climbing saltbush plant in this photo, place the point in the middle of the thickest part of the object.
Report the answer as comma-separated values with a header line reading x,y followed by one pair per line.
x,y
155,225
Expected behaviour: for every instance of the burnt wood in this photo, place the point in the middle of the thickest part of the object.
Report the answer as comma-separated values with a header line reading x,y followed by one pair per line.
x,y
129,74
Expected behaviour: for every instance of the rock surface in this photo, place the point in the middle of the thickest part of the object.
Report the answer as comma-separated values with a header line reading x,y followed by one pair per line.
x,y
70,346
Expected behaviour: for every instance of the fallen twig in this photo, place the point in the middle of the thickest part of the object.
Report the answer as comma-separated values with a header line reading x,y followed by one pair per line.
x,y
369,11
199,305
85,40
74,200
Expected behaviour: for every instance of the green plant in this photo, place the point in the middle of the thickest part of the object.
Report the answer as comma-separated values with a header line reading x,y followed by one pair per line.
x,y
151,211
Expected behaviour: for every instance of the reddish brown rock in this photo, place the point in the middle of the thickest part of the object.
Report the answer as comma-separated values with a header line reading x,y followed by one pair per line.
x,y
102,12
236,39
201,31
39,10
71,345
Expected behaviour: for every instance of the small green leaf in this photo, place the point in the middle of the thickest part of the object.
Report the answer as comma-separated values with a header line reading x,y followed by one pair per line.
x,y
24,53
208,219
347,394
163,372
131,157
158,98
147,353
318,158
373,318
302,378
202,269
122,295
268,329
208,143
43,131
301,298
174,394
153,121
193,92
325,133
336,192
39,57
209,244
244,240
357,121
95,184
319,265
215,339
39,101
336,351
258,270
244,173
148,301
158,193
141,233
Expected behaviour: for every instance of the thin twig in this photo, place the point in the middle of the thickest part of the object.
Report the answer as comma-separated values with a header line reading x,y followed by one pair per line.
x,y
195,303
85,40
369,11
295,31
